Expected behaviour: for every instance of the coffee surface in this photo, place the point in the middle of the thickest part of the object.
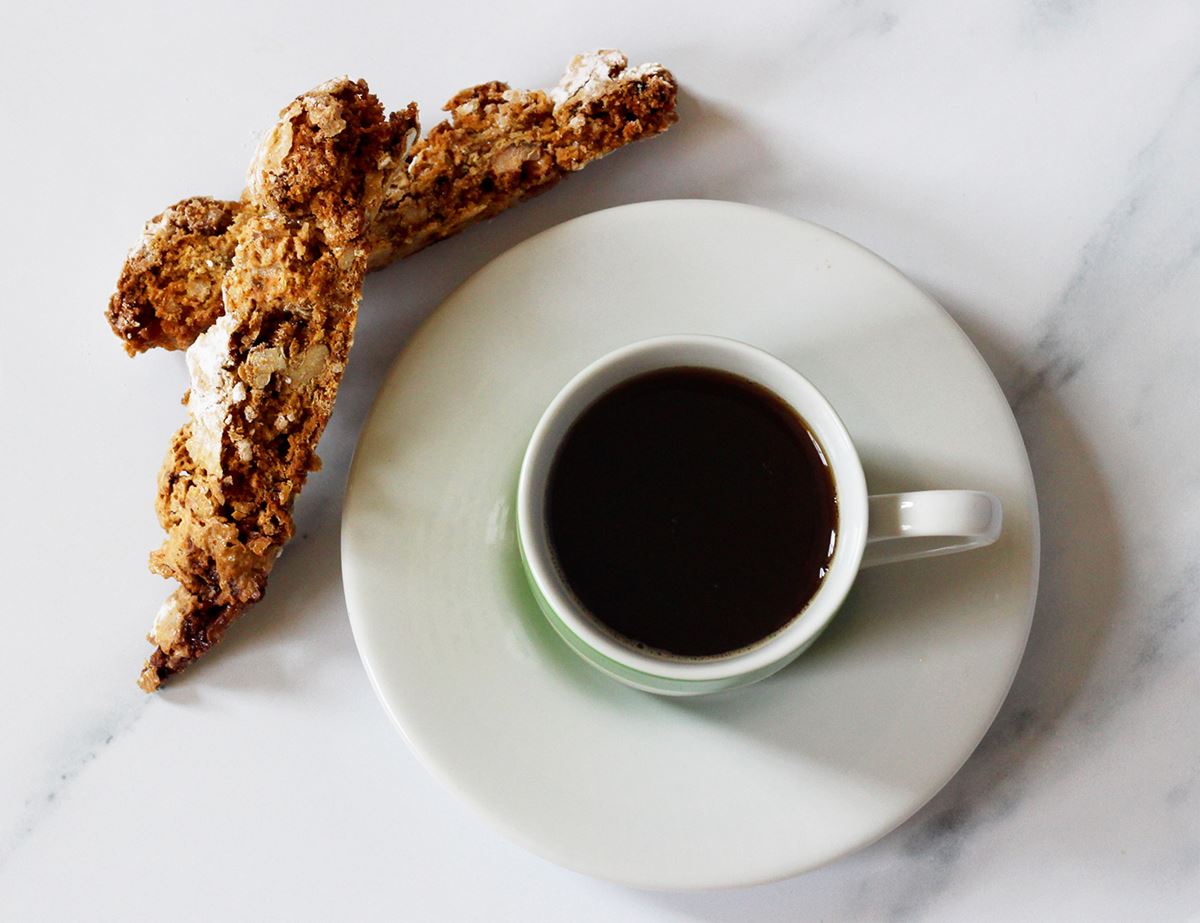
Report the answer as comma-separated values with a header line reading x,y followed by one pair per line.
x,y
691,511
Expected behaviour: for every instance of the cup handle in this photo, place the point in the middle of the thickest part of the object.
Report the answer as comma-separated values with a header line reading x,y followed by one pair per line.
x,y
927,523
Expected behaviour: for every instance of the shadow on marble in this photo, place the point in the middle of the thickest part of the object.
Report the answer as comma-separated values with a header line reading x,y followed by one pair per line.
x,y
1078,597
1081,584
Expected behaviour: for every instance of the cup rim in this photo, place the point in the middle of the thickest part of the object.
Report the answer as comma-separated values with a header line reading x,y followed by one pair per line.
x,y
844,464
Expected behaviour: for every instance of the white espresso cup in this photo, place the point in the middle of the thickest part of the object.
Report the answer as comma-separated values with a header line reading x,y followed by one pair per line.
x,y
871,530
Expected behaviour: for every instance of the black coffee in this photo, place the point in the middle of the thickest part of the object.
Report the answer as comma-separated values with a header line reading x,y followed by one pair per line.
x,y
691,511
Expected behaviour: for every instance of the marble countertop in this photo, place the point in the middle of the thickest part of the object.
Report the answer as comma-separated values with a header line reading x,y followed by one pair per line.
x,y
1032,165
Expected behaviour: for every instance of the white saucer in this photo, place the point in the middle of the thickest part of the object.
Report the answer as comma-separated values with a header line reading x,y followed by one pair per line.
x,y
724,790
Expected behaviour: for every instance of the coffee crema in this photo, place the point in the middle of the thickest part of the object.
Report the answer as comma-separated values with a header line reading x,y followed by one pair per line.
x,y
691,512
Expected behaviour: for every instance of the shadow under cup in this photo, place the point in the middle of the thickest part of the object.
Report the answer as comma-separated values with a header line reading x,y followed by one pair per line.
x,y
594,641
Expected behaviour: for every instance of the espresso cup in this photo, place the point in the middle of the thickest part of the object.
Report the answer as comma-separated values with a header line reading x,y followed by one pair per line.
x,y
871,530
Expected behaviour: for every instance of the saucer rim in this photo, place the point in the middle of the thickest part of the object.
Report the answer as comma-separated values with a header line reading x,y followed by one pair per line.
x,y
783,869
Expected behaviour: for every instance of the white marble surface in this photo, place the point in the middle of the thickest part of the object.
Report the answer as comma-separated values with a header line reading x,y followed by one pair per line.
x,y
1032,164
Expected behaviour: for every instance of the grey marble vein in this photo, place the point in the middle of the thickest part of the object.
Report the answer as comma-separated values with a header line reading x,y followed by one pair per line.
x,y
86,744
1097,301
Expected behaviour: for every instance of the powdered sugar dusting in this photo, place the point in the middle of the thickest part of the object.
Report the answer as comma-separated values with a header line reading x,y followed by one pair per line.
x,y
167,622
214,390
591,75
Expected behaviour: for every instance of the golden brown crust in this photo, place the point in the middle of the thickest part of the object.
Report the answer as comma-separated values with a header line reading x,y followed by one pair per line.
x,y
497,147
265,375
500,146
170,286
